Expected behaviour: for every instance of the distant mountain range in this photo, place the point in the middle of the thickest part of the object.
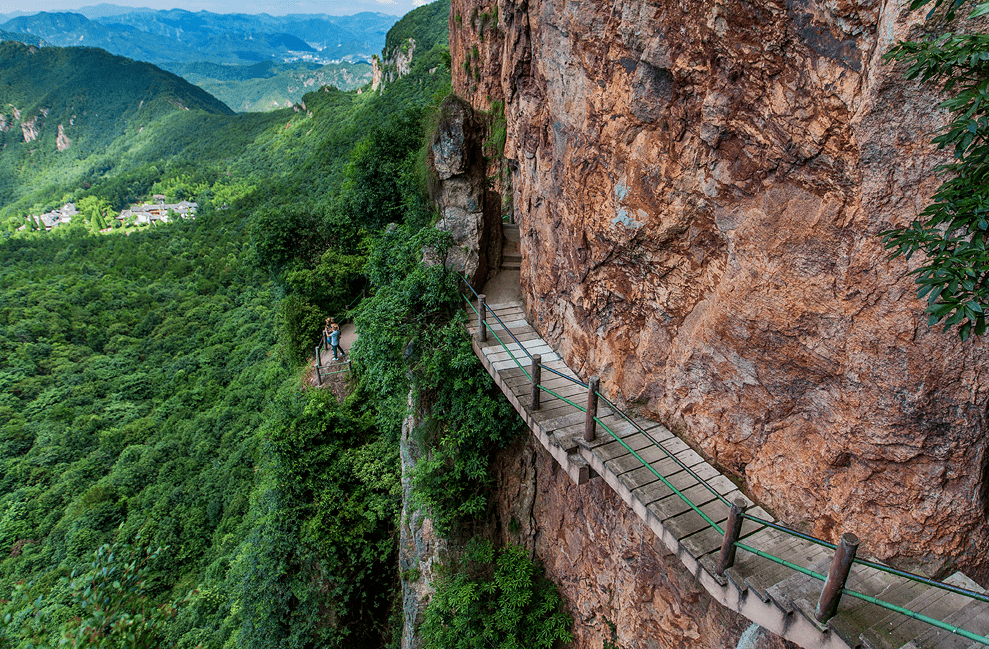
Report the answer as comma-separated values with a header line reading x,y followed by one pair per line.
x,y
166,37
27,39
267,85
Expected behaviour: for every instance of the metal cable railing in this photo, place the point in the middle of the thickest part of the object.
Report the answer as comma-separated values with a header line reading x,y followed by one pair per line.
x,y
755,519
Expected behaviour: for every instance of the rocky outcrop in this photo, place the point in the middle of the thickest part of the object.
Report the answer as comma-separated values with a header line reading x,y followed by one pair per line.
x,y
420,549
377,74
621,583
62,142
700,188
30,129
400,61
468,210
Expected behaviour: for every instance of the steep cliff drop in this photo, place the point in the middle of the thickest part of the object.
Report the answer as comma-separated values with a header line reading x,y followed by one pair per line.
x,y
700,187
623,587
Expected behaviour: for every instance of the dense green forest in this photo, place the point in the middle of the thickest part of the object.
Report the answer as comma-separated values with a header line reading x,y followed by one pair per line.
x,y
166,477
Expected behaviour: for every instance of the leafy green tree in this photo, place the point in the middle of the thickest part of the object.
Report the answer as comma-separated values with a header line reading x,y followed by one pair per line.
x,y
953,230
110,606
95,210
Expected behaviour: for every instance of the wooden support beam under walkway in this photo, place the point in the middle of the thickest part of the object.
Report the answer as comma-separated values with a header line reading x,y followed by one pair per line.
x,y
775,578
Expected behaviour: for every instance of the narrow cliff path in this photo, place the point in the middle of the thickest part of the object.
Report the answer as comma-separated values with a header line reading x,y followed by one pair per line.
x,y
333,374
774,575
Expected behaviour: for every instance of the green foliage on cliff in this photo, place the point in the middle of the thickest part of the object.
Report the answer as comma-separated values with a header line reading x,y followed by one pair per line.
x,y
428,26
953,230
413,337
317,568
497,600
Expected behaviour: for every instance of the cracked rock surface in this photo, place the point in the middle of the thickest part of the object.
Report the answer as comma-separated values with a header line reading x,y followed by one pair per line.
x,y
700,187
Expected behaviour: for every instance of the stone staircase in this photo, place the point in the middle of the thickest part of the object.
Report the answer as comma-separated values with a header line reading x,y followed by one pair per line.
x,y
774,596
511,256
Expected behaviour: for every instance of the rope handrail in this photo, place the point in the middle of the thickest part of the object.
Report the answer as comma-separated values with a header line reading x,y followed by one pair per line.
x,y
569,378
467,284
951,628
509,331
755,519
673,457
684,498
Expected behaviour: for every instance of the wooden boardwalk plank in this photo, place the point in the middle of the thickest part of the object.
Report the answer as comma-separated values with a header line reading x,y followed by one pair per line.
x,y
656,450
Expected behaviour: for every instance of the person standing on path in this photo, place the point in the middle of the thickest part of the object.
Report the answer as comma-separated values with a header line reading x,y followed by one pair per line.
x,y
335,340
327,330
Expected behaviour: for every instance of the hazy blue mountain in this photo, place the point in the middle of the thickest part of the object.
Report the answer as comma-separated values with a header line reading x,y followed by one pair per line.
x,y
27,39
268,85
362,34
176,35
104,10
72,30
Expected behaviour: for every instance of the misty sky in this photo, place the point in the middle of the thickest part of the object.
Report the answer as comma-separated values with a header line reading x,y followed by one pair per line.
x,y
274,7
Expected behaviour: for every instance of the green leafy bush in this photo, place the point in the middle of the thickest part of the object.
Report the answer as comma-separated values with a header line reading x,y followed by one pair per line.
x,y
500,601
108,604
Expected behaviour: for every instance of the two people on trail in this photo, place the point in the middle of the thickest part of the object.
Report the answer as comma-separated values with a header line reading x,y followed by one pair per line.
x,y
332,333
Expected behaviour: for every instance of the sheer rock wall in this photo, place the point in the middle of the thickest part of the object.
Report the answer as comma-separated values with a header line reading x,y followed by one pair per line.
x,y
620,582
700,186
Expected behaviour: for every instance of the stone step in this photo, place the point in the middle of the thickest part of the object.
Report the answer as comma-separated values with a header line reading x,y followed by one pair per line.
x,y
510,232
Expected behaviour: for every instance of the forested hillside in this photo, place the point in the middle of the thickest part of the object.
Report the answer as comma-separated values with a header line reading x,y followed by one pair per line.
x,y
75,117
166,477
149,387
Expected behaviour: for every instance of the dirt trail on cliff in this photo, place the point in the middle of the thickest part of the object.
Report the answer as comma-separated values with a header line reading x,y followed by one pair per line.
x,y
503,287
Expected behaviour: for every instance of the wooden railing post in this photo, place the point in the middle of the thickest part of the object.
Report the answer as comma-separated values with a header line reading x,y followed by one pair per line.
x,y
733,529
318,358
537,374
590,426
482,323
844,555
319,377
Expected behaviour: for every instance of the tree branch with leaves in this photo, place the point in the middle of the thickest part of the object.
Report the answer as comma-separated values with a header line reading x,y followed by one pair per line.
x,y
952,231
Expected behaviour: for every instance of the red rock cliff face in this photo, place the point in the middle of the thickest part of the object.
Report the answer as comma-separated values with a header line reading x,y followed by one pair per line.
x,y
620,582
700,186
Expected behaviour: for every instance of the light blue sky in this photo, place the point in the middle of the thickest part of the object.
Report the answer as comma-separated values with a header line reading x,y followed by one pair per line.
x,y
274,7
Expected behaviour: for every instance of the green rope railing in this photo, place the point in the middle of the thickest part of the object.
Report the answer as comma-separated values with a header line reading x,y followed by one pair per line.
x,y
951,628
562,398
500,342
670,455
661,477
782,562
713,525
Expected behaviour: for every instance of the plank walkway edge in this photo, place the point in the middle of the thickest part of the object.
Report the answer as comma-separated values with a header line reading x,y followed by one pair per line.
x,y
776,599
794,627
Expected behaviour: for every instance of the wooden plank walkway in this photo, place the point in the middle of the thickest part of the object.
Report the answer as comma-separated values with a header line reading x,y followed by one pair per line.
x,y
776,597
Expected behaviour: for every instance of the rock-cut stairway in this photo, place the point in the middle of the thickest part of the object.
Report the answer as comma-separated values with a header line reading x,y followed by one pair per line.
x,y
775,596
